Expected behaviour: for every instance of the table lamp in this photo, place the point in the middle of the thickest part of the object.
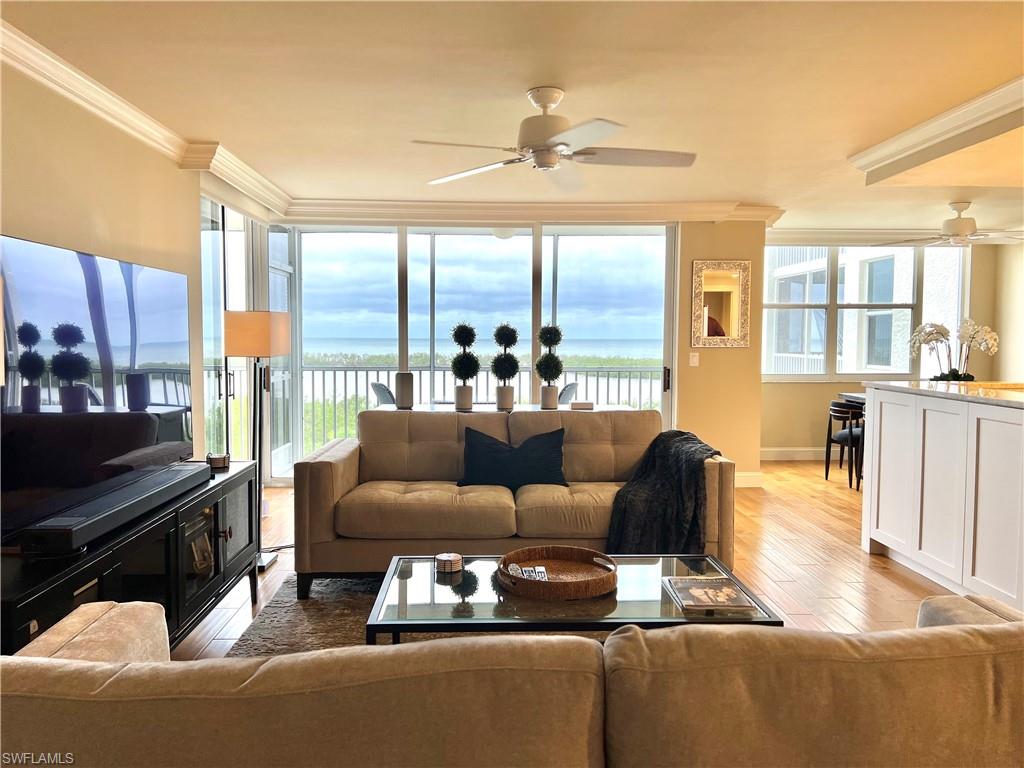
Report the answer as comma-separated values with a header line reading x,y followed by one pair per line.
x,y
259,335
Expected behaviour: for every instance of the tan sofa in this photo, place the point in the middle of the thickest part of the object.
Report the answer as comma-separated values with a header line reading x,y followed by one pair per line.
x,y
393,490
99,686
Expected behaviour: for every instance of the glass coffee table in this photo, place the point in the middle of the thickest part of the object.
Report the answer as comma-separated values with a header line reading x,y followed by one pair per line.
x,y
415,599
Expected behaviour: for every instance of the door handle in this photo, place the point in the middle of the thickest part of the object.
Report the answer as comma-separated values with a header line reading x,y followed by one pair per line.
x,y
666,379
231,384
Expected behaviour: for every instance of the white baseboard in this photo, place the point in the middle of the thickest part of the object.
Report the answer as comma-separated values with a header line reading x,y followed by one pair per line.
x,y
749,480
797,454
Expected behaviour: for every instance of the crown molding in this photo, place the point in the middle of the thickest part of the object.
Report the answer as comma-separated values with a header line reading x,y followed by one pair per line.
x,y
42,65
992,113
218,160
843,236
30,58
408,211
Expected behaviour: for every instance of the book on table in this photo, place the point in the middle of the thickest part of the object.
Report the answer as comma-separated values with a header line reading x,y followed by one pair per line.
x,y
704,593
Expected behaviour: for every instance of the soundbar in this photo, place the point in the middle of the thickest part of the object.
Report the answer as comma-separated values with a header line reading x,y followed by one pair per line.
x,y
78,525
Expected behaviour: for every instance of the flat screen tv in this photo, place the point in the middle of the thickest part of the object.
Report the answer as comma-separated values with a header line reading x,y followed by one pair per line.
x,y
96,377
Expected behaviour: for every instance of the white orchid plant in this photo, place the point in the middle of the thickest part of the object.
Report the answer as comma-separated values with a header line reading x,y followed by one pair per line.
x,y
935,337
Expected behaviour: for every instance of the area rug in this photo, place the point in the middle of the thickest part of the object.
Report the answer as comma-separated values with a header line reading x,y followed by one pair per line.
x,y
334,616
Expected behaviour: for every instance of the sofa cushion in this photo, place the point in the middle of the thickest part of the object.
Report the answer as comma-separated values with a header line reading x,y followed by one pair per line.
x,y
600,446
489,461
423,445
396,509
579,511
443,702
941,696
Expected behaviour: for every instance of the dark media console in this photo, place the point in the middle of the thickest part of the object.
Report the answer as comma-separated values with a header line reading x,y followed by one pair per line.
x,y
185,553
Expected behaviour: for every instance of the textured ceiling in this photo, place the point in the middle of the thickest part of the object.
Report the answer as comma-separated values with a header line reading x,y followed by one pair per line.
x,y
323,98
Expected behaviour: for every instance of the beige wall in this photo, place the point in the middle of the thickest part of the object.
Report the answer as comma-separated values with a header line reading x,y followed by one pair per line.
x,y
721,399
70,179
1009,319
794,414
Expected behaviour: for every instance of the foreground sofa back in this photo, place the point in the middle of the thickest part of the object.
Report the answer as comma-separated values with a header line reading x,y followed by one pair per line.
x,y
357,505
688,696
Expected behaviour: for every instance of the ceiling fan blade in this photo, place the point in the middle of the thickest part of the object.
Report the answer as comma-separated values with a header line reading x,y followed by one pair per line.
x,y
934,240
586,133
566,176
475,171
456,144
651,158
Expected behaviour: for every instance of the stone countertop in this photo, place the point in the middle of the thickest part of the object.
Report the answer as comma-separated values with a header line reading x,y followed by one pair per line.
x,y
1005,393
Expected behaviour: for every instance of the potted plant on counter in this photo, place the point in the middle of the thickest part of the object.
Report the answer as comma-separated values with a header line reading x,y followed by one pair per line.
x,y
549,366
31,366
935,337
465,366
71,366
505,366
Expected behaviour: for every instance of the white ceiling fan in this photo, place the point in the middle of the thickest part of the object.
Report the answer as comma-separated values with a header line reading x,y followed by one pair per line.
x,y
551,143
962,230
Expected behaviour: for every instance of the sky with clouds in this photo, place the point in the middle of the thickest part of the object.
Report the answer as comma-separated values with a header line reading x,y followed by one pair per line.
x,y
609,286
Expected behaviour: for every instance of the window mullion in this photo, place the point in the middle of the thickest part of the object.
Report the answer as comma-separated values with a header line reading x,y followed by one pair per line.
x,y
537,273
916,309
832,312
403,298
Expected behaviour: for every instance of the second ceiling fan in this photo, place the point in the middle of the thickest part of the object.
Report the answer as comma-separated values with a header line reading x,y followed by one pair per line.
x,y
554,145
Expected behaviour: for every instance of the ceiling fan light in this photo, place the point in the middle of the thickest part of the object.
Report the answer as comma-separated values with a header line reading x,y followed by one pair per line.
x,y
503,233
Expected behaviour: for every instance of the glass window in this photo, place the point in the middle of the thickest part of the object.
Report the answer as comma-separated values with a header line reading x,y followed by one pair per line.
x,y
349,327
876,275
874,307
796,284
941,299
482,280
608,294
874,341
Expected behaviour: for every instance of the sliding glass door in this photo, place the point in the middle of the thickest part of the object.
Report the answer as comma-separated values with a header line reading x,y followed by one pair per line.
x,y
282,272
211,245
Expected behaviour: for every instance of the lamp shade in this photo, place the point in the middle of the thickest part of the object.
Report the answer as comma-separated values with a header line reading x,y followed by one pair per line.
x,y
257,334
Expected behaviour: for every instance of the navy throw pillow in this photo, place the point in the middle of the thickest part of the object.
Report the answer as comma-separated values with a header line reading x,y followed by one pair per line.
x,y
489,461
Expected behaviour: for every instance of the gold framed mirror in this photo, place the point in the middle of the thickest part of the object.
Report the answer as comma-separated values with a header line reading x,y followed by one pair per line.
x,y
721,304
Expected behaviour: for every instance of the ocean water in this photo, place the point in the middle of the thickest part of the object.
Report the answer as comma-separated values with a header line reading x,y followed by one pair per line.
x,y
628,348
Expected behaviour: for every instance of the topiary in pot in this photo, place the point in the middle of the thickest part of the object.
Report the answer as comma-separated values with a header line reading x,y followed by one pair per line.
x,y
465,366
70,366
505,365
549,365
31,366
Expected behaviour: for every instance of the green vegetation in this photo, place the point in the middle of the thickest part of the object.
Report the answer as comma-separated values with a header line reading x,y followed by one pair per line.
x,y
422,360
332,413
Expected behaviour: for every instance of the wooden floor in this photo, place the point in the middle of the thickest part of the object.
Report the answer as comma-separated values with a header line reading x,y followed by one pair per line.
x,y
797,546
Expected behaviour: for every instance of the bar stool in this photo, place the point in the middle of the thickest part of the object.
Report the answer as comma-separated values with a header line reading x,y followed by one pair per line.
x,y
848,436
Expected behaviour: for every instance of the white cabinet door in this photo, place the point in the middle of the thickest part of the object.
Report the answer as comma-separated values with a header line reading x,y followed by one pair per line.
x,y
894,456
937,540
993,546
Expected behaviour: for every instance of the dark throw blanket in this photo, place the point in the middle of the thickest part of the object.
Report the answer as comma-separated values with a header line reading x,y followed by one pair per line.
x,y
661,510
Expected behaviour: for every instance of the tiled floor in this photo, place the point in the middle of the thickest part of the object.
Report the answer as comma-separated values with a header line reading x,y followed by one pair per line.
x,y
797,545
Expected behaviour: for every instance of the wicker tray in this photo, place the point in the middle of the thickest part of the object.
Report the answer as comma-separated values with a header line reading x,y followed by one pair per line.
x,y
574,573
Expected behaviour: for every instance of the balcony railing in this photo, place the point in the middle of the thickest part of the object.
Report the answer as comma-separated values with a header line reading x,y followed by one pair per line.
x,y
167,386
790,363
333,395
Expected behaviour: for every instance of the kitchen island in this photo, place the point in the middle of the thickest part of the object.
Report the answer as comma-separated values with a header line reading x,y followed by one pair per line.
x,y
944,482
